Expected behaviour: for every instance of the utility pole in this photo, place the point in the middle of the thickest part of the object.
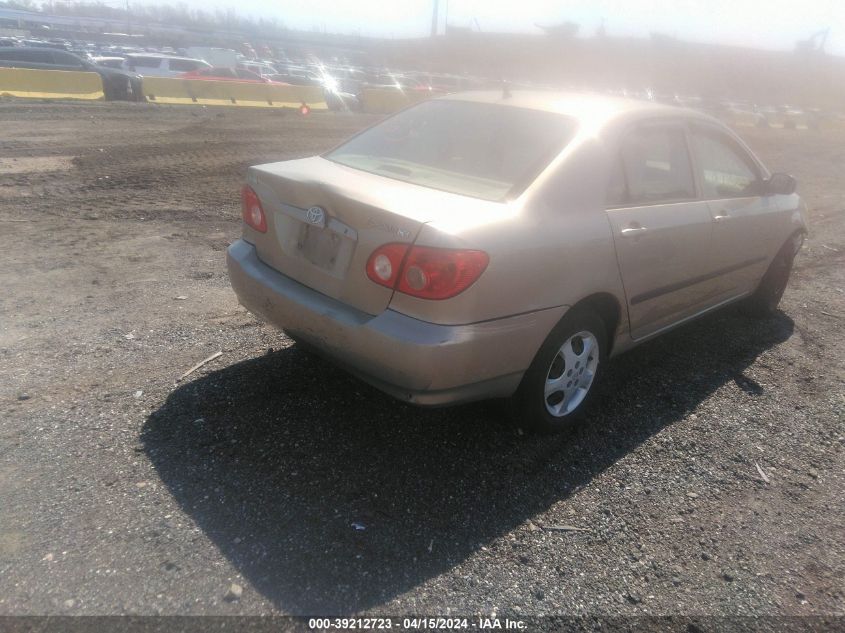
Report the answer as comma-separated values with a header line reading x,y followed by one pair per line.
x,y
434,17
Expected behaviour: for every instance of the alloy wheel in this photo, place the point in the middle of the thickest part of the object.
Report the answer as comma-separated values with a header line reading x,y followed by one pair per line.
x,y
571,374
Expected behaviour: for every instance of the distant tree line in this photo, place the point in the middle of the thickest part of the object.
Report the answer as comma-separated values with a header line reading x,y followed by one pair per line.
x,y
172,15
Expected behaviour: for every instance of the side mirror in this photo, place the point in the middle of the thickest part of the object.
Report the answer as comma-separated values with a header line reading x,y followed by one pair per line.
x,y
780,184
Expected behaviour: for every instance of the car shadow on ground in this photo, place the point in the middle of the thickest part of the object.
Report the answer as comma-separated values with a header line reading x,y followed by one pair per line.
x,y
330,497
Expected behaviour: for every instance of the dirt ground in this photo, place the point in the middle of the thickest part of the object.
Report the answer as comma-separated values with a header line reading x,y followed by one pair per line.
x,y
124,490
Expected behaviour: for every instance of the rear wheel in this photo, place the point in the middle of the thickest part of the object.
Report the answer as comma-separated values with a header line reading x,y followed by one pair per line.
x,y
558,386
766,298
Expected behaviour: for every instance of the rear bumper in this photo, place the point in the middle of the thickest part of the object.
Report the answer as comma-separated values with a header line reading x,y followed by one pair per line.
x,y
418,362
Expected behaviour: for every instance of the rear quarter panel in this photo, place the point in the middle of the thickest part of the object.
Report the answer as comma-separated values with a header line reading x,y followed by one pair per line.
x,y
548,249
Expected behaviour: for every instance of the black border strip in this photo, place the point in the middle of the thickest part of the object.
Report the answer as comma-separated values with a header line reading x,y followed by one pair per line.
x,y
657,292
517,623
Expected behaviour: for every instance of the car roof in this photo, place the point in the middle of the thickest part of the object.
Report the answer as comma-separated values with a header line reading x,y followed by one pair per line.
x,y
35,48
597,108
164,56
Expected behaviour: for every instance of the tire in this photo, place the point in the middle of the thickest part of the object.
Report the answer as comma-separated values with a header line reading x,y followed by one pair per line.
x,y
560,383
117,89
108,91
764,302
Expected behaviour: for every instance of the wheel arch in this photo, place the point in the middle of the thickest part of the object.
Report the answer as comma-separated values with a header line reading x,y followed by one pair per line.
x,y
608,308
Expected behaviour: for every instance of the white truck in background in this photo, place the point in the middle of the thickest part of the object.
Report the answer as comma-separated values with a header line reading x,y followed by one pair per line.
x,y
217,57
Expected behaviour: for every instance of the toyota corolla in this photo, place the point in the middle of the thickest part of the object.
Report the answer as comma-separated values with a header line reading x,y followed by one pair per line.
x,y
497,244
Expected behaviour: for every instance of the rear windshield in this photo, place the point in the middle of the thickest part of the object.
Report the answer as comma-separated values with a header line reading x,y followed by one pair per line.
x,y
481,150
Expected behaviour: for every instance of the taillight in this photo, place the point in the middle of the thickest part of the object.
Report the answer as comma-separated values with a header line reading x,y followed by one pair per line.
x,y
385,263
251,210
428,273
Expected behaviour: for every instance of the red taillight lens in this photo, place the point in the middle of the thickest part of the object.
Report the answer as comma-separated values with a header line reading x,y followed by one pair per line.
x,y
428,273
251,210
385,263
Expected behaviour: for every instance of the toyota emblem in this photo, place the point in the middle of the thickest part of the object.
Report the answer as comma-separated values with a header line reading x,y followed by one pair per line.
x,y
316,216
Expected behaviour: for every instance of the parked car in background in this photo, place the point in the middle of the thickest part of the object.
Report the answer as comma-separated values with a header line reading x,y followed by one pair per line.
x,y
297,77
228,74
259,68
157,65
109,62
44,44
216,56
83,54
499,244
117,84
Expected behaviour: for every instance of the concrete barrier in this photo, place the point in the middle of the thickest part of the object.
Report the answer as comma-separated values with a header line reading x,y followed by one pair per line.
x,y
173,90
389,100
295,96
744,118
382,100
50,84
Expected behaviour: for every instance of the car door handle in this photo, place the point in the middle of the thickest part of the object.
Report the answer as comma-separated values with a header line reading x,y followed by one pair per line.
x,y
723,215
633,230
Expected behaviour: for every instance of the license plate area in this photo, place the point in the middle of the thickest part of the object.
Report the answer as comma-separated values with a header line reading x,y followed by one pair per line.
x,y
324,248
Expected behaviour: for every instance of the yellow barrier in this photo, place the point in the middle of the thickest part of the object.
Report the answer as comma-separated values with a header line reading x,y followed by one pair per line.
x,y
173,90
389,100
294,96
827,123
745,118
50,84
383,100
788,120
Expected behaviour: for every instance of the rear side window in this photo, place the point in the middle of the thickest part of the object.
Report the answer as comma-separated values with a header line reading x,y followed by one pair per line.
x,y
724,169
655,166
184,65
617,189
246,74
145,62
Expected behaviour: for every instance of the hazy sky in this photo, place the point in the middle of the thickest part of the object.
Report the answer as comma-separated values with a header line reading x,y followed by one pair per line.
x,y
758,23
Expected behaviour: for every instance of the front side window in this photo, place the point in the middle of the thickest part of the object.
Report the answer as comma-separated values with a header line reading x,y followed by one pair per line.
x,y
656,166
724,171
483,150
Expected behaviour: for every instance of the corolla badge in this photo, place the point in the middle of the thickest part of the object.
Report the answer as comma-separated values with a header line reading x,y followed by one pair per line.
x,y
390,228
316,216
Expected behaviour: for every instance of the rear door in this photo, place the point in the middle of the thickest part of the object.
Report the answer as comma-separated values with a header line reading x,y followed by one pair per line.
x,y
745,222
661,230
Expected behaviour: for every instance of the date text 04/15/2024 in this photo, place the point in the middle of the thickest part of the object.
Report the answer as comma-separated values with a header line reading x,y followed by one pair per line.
x,y
430,623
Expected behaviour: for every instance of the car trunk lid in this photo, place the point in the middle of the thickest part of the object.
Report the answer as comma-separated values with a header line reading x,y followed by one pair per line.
x,y
325,219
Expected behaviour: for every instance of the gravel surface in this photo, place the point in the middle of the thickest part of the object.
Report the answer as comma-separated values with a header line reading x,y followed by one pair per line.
x,y
708,481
